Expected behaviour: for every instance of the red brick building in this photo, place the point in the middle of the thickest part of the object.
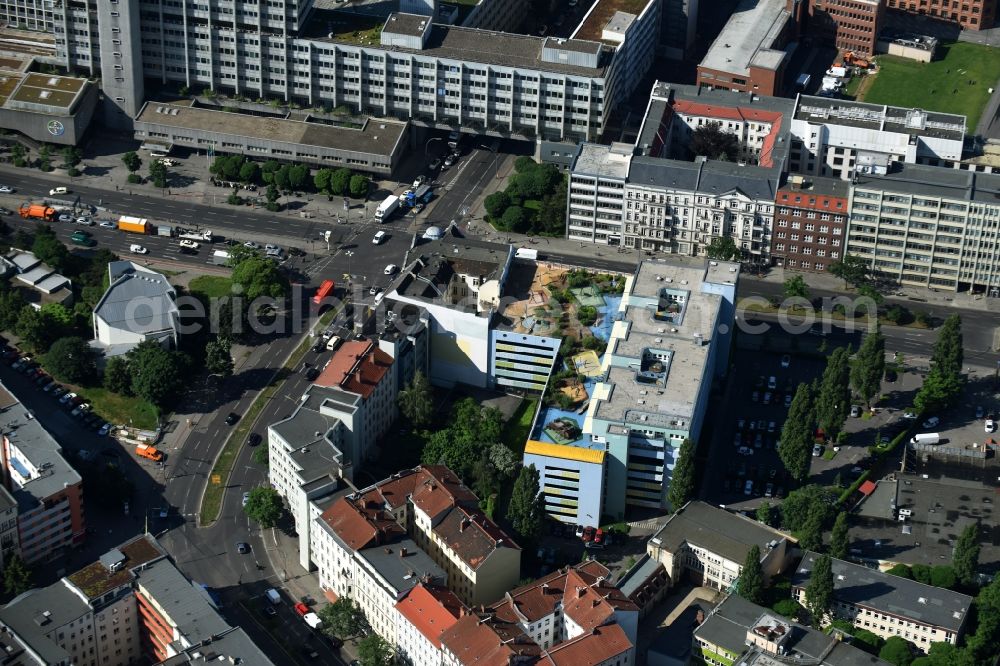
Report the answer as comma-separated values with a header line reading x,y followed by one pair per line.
x,y
850,25
810,223
970,14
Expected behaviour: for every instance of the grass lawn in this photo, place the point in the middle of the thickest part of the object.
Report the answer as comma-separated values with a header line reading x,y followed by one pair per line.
x,y
515,432
532,204
940,85
829,454
211,286
120,409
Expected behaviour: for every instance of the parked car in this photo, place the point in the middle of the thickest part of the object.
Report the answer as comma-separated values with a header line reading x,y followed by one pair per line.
x,y
932,422
909,414
104,429
246,498
817,449
855,411
786,361
979,412
990,425
434,163
390,269
7,189
85,220
788,400
65,217
772,382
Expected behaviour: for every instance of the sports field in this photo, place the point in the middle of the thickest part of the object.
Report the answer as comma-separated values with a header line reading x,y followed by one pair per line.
x,y
957,81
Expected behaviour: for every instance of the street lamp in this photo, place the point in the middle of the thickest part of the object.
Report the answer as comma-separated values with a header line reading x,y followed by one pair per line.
x,y
496,163
428,145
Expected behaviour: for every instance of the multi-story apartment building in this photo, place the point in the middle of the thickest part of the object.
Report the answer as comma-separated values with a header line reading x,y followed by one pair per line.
x,y
131,606
572,617
841,138
429,505
929,227
9,538
810,223
672,339
30,14
739,631
748,55
971,15
709,545
888,605
568,476
426,612
647,199
850,25
680,27
48,491
393,65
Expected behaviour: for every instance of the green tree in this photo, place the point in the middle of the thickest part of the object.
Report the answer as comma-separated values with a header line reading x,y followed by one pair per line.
x,y
321,181
551,218
132,161
59,318
898,651
264,506
71,360
750,584
249,172
965,557
943,384
416,401
682,481
373,650
280,177
711,141
833,401
901,570
796,287
158,173
343,619
840,537
805,501
117,376
765,513
359,186
268,170
340,181
503,459
219,357
49,249
157,374
943,576
851,269
811,533
260,456
272,195
946,654
496,204
867,641
723,248
11,304
525,510
514,219
32,329
18,155
259,276
71,156
45,158
921,573
797,433
819,589
16,576
298,177
869,365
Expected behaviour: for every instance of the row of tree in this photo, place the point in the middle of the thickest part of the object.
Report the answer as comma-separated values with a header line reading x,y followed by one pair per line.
x,y
289,177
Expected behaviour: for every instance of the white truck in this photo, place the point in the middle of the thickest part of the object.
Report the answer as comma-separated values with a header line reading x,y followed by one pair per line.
x,y
191,234
386,208
926,438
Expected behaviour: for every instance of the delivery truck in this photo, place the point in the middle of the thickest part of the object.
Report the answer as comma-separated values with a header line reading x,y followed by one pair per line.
x,y
136,225
387,208
38,212
221,258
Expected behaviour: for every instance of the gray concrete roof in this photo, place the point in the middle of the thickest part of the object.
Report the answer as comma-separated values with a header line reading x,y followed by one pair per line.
x,y
34,615
231,647
315,454
403,573
729,535
706,177
637,576
930,181
138,299
747,37
609,162
861,586
905,120
185,604
44,454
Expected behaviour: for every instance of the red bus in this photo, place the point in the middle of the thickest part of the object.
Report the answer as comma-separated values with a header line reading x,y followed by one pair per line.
x,y
325,289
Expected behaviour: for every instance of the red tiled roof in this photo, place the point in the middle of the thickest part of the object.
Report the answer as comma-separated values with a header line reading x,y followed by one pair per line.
x,y
538,599
598,646
584,604
432,609
358,366
738,113
479,641
438,489
472,536
358,525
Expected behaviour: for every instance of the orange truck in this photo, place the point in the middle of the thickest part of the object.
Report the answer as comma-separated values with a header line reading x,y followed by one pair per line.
x,y
150,452
137,225
38,212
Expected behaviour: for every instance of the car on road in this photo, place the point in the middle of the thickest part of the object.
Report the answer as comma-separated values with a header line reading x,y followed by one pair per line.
x,y
7,189
909,414
104,429
786,361
390,269
232,418
312,373
450,160
107,224
979,412
745,451
378,237
242,547
434,163
82,238
85,220
990,425
301,608
137,249
65,217
254,439
932,422
58,190
246,498
188,244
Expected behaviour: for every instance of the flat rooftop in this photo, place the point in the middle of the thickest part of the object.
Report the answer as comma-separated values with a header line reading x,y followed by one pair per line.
x,y
375,137
930,181
96,580
602,12
818,185
600,161
183,601
747,38
402,564
49,90
728,534
468,45
913,122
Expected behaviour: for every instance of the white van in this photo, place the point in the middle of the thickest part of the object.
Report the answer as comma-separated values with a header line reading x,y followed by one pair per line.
x,y
156,155
135,248
58,190
379,237
333,343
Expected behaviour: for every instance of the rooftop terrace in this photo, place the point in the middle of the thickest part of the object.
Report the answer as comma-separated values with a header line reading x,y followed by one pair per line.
x,y
602,12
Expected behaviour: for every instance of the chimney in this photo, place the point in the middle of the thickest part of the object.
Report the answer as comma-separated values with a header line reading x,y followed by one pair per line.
x,y
699,617
580,591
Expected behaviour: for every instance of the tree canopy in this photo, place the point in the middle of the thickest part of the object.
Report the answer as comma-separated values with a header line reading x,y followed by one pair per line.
x,y
157,374
797,433
840,536
16,576
898,651
264,506
258,276
682,480
416,401
711,141
373,650
796,287
965,557
219,357
943,384
723,248
750,584
343,618
526,511
819,589
833,401
869,365
71,360
852,269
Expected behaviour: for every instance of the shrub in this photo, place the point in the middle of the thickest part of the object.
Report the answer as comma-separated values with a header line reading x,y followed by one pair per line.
x,y
787,607
134,179
234,199
73,172
586,315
